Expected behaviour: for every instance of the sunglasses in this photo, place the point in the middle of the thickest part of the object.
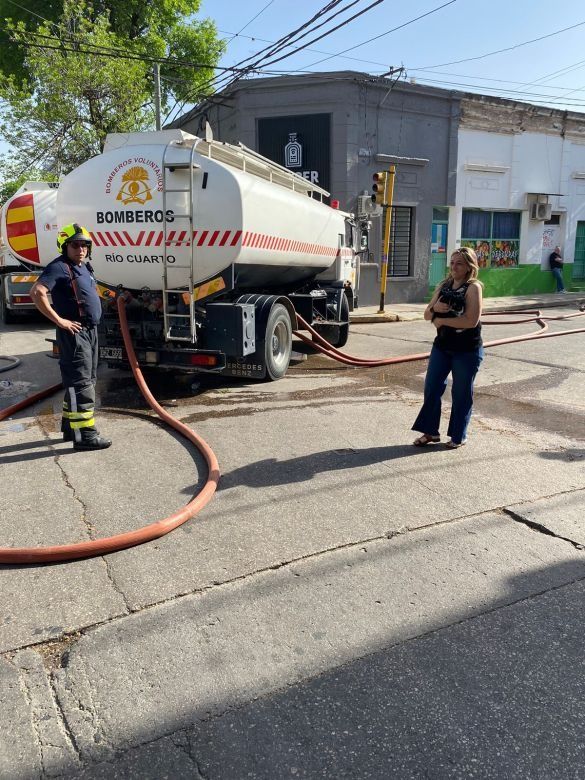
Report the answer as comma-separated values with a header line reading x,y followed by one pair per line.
x,y
79,244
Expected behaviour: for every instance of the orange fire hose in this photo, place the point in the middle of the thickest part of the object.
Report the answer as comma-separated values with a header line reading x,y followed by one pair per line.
x,y
70,552
162,527
323,346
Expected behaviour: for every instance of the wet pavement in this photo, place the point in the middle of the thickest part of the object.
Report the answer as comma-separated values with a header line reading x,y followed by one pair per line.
x,y
346,606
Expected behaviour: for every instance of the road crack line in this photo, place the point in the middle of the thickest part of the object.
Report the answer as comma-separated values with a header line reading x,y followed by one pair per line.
x,y
539,527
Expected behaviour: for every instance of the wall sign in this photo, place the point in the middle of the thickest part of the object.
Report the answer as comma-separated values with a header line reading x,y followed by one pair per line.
x,y
301,143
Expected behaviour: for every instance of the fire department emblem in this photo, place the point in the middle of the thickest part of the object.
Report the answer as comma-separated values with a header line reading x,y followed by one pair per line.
x,y
135,186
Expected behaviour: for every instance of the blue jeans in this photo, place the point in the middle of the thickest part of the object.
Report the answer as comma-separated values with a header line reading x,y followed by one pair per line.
x,y
463,366
558,275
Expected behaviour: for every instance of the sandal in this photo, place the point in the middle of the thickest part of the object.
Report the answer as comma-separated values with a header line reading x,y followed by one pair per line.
x,y
425,439
453,445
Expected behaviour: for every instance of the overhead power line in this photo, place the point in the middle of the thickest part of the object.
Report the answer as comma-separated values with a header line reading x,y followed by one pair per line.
x,y
481,78
92,49
286,41
547,77
298,35
500,51
32,13
267,51
253,19
411,21
329,32
375,38
514,93
308,25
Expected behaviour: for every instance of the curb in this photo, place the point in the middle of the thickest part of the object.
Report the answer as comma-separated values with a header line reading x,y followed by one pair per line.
x,y
364,318
568,301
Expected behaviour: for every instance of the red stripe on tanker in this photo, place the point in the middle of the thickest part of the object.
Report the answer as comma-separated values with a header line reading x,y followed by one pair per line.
x,y
28,224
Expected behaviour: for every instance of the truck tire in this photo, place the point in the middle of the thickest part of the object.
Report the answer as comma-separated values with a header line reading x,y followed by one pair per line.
x,y
278,342
337,335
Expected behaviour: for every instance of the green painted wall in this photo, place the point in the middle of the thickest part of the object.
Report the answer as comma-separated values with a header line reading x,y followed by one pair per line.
x,y
523,280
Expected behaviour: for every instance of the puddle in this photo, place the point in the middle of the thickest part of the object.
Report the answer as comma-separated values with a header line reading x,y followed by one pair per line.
x,y
16,427
9,389
223,397
50,415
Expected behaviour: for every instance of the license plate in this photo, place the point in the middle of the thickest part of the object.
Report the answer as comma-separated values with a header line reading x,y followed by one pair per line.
x,y
111,353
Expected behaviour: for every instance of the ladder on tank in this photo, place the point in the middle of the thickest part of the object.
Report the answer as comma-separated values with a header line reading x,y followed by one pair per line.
x,y
179,326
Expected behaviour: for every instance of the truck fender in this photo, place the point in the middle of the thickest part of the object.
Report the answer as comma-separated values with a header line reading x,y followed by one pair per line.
x,y
263,305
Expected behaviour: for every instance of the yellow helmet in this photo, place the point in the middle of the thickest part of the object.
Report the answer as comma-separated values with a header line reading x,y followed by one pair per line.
x,y
73,232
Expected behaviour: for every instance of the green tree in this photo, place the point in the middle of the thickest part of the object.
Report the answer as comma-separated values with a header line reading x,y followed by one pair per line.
x,y
8,188
155,27
88,79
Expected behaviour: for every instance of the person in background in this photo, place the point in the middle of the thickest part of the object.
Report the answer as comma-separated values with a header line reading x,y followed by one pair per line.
x,y
76,311
454,310
556,266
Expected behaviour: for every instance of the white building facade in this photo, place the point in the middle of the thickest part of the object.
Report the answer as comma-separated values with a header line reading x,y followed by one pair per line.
x,y
520,192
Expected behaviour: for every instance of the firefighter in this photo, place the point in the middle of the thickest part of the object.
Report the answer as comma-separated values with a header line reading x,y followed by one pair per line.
x,y
76,311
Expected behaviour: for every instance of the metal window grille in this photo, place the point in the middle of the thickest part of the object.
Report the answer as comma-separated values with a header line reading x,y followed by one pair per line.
x,y
400,241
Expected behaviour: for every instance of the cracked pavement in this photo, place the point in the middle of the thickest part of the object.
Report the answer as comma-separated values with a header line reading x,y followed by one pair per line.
x,y
346,606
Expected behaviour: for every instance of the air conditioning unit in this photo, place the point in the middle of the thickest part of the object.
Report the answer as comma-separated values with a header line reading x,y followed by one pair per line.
x,y
540,211
365,207
364,204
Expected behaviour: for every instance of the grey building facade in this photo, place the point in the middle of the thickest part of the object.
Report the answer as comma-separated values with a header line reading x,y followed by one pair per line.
x,y
339,129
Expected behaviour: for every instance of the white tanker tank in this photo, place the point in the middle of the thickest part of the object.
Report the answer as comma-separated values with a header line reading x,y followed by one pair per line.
x,y
221,249
197,208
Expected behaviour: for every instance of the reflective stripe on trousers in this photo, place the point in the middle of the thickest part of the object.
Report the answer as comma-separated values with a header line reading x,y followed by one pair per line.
x,y
78,355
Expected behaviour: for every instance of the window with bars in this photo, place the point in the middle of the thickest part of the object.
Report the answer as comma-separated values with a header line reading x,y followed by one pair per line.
x,y
399,258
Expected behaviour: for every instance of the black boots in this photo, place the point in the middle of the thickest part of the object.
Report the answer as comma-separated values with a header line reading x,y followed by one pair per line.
x,y
68,434
96,443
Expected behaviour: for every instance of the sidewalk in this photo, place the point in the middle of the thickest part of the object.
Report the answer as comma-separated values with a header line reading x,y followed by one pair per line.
x,y
407,312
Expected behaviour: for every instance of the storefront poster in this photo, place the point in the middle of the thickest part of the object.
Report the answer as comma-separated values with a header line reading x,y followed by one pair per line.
x,y
482,250
439,238
495,254
504,254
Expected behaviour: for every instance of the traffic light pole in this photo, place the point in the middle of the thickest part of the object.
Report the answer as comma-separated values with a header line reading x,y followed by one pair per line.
x,y
388,197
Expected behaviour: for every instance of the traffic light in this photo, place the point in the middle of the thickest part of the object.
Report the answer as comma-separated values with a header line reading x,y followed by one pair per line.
x,y
379,188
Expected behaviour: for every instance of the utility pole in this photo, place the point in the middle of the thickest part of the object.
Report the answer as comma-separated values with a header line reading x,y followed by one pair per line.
x,y
156,74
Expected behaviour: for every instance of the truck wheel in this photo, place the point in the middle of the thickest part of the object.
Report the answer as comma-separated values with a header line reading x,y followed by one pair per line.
x,y
337,335
278,342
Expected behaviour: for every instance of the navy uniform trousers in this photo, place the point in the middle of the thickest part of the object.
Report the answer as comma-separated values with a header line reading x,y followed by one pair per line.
x,y
78,359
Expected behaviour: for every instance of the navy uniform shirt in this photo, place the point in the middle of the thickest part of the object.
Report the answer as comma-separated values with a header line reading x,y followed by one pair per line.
x,y
57,280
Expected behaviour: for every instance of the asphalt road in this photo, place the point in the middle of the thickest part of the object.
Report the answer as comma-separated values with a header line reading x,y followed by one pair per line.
x,y
348,606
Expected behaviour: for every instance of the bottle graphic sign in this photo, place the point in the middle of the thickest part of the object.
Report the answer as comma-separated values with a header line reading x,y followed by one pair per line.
x,y
293,152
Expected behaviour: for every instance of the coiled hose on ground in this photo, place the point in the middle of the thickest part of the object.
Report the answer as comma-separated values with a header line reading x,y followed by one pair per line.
x,y
69,552
323,346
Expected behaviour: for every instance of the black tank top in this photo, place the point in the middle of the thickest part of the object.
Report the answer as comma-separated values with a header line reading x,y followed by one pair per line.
x,y
453,339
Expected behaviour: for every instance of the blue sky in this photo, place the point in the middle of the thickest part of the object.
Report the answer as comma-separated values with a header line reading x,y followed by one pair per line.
x,y
551,70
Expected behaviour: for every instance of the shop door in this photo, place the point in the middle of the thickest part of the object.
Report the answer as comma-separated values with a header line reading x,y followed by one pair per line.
x,y
579,261
438,264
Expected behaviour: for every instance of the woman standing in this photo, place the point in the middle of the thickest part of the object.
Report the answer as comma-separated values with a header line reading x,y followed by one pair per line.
x,y
454,310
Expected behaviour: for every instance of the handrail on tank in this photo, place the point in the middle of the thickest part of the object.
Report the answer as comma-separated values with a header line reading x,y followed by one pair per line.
x,y
249,161
275,166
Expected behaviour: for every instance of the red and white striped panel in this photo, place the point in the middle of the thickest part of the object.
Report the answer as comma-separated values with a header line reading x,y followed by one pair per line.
x,y
213,238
